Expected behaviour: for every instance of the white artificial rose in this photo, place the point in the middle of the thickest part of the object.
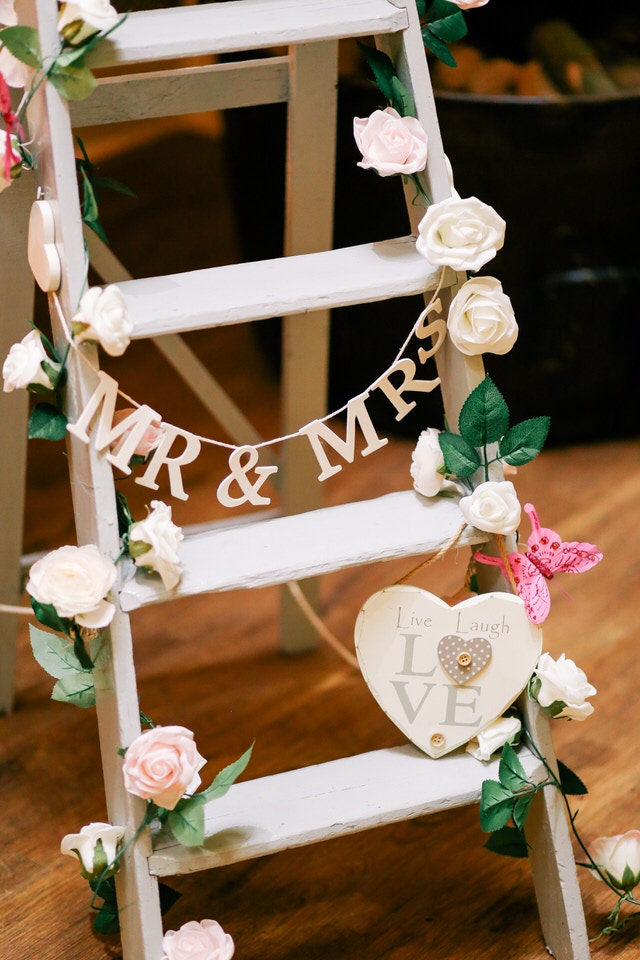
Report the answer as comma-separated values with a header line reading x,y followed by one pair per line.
x,y
16,73
22,367
463,233
619,858
481,318
80,20
75,581
16,162
8,15
493,507
84,845
492,738
154,544
390,143
426,461
102,318
204,940
560,683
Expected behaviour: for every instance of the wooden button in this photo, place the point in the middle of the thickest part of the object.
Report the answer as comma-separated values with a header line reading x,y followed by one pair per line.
x,y
437,740
464,659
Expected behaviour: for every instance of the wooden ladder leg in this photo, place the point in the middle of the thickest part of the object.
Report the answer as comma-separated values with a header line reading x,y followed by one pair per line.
x,y
311,149
551,855
16,308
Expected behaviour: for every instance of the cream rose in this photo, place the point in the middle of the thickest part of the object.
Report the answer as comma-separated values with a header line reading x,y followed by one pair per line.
x,y
162,765
492,738
80,20
198,941
426,461
493,507
16,162
619,858
8,15
481,318
154,544
562,688
463,233
390,143
75,581
102,317
16,73
150,439
23,365
96,847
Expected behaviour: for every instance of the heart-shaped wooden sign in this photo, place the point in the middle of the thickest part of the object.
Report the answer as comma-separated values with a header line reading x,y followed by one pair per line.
x,y
442,673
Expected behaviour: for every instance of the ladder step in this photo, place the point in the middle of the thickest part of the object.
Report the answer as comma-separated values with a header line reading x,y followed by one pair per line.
x,y
235,25
241,292
291,548
303,806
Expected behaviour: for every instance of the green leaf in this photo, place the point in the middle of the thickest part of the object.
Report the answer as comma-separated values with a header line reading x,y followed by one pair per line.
x,y
108,183
570,782
48,616
23,43
460,457
400,99
511,773
75,82
90,212
226,778
508,841
54,653
496,806
70,55
186,822
168,897
439,9
78,689
46,422
107,919
438,48
422,8
521,808
484,417
449,28
524,441
382,68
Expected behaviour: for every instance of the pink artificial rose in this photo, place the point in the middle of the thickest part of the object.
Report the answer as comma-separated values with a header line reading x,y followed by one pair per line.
x,y
150,438
469,4
162,765
390,143
198,941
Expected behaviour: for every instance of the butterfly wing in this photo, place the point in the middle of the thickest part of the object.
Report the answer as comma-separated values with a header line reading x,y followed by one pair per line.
x,y
531,585
552,555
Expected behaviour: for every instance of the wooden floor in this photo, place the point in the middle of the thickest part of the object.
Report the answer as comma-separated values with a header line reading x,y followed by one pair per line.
x,y
420,889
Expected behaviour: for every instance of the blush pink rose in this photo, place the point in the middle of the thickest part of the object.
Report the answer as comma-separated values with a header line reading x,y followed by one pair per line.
x,y
150,438
198,941
390,143
162,765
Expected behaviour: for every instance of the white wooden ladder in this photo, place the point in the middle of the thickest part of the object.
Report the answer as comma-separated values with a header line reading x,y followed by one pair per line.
x,y
357,792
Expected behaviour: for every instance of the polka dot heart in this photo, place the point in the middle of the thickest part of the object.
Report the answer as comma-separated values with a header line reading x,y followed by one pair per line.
x,y
463,659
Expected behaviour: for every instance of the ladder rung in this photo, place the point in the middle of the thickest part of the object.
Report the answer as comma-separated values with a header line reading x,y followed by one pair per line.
x,y
292,809
291,548
241,292
236,25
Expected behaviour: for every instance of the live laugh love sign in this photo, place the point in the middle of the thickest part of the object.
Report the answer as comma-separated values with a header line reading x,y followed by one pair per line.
x,y
442,674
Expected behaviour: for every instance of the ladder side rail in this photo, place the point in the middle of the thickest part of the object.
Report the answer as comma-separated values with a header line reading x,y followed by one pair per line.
x,y
95,510
458,373
170,93
309,201
16,303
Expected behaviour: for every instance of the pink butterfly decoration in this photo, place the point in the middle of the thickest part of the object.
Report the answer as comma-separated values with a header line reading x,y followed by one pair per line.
x,y
546,555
